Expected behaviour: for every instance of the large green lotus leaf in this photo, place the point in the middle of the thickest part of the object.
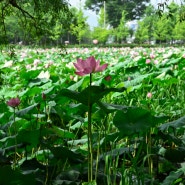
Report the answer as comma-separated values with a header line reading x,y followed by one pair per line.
x,y
3,108
42,156
11,150
28,75
6,92
78,84
117,152
7,141
49,90
30,138
173,124
8,176
23,137
64,154
173,176
46,86
70,176
172,61
96,92
33,91
170,138
108,108
137,80
38,81
78,142
19,124
31,109
118,66
141,62
61,132
131,70
135,120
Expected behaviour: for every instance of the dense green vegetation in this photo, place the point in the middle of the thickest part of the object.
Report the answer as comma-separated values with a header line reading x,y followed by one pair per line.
x,y
133,114
101,113
67,23
134,8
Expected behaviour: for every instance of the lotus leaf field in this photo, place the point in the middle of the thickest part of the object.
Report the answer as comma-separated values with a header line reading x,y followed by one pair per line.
x,y
117,124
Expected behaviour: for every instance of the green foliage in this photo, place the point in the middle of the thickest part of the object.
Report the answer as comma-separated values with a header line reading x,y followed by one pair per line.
x,y
35,19
44,139
134,120
178,31
122,31
17,177
115,8
165,28
101,34
102,18
80,28
141,34
174,177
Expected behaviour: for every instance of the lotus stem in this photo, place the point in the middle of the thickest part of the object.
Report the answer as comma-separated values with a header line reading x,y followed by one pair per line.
x,y
90,152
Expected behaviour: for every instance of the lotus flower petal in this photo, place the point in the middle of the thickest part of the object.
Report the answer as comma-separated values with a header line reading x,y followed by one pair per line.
x,y
14,102
90,65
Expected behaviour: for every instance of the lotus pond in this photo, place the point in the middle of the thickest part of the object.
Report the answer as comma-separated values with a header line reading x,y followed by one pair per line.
x,y
123,125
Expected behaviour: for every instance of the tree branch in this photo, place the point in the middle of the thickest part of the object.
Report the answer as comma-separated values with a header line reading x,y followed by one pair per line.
x,y
14,4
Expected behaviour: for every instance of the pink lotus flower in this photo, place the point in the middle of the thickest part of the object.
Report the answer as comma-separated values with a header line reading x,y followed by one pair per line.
x,y
152,55
148,61
14,102
28,66
149,95
95,41
156,62
90,65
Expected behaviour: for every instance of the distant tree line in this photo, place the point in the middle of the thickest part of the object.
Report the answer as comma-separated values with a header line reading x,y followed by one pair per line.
x,y
55,22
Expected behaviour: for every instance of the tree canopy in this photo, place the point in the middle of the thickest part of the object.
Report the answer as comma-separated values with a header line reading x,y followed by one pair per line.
x,y
35,16
134,8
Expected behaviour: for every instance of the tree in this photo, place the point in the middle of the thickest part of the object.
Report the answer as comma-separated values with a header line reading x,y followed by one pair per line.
x,y
161,29
179,31
101,33
172,20
141,34
14,32
122,31
80,28
135,9
102,18
163,7
149,19
35,17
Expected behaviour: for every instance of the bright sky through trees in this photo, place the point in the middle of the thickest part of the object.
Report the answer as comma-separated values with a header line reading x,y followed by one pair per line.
x,y
92,17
